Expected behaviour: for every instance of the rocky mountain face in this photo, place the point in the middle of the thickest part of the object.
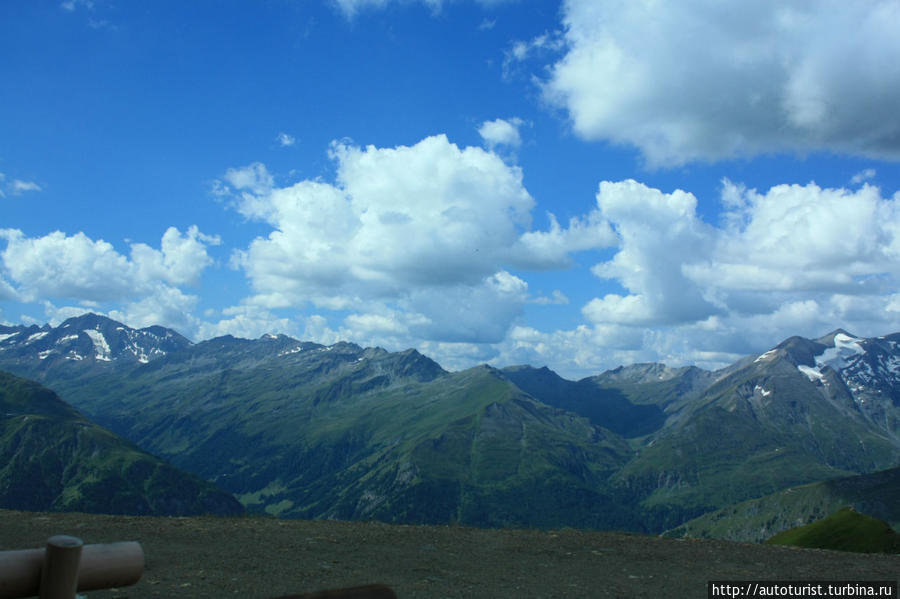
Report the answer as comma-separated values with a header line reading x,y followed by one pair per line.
x,y
84,342
305,430
54,459
789,416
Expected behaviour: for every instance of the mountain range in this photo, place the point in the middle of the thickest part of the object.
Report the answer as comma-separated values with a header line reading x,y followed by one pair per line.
x,y
299,429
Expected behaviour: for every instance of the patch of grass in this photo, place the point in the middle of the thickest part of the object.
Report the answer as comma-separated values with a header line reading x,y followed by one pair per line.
x,y
844,530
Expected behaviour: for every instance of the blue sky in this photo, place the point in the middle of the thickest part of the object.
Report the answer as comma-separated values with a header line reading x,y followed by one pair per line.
x,y
580,184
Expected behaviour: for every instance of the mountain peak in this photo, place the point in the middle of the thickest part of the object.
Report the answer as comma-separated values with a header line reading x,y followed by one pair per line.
x,y
830,337
90,337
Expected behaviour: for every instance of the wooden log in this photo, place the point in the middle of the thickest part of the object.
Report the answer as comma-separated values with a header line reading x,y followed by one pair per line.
x,y
59,572
102,566
369,591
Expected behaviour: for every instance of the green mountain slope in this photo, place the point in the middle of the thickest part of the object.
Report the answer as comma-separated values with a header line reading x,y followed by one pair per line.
x,y
606,406
54,459
756,520
844,530
762,427
303,430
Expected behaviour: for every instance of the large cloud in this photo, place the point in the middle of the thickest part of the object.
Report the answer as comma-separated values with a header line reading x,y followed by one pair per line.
x,y
796,259
415,241
702,80
77,268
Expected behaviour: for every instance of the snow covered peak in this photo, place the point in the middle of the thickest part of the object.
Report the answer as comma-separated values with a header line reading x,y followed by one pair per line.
x,y
89,336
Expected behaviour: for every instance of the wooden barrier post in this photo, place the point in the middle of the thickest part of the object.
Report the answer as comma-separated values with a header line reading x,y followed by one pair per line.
x,y
27,573
59,573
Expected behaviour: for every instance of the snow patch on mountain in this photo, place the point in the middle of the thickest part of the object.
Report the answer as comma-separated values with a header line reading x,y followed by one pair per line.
x,y
762,391
845,349
101,347
811,373
288,352
766,356
846,352
36,337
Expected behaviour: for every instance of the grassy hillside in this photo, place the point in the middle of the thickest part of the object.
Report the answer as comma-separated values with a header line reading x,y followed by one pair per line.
x,y
756,520
844,530
52,458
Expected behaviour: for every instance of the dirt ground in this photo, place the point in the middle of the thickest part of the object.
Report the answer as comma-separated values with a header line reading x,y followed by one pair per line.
x,y
260,558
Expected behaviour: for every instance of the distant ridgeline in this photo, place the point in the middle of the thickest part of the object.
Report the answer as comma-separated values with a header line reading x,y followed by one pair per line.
x,y
304,430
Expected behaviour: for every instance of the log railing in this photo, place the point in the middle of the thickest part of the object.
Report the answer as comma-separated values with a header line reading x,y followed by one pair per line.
x,y
67,566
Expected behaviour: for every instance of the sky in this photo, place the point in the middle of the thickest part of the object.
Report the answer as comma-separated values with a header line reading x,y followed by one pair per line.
x,y
579,184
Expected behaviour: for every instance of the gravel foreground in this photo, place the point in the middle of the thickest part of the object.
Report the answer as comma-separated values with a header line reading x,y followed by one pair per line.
x,y
259,558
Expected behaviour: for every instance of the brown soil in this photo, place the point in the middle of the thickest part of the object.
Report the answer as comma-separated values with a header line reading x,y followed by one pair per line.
x,y
252,558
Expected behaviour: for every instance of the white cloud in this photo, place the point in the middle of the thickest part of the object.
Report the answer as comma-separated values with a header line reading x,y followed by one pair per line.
x,y
414,241
165,305
803,238
538,47
249,322
58,265
75,267
557,298
864,175
501,132
72,5
179,261
350,8
694,80
658,232
254,179
18,186
793,260
286,140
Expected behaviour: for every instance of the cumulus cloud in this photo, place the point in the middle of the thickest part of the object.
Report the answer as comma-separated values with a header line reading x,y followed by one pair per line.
x,y
92,272
415,242
501,132
795,259
247,321
657,232
695,80
63,266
